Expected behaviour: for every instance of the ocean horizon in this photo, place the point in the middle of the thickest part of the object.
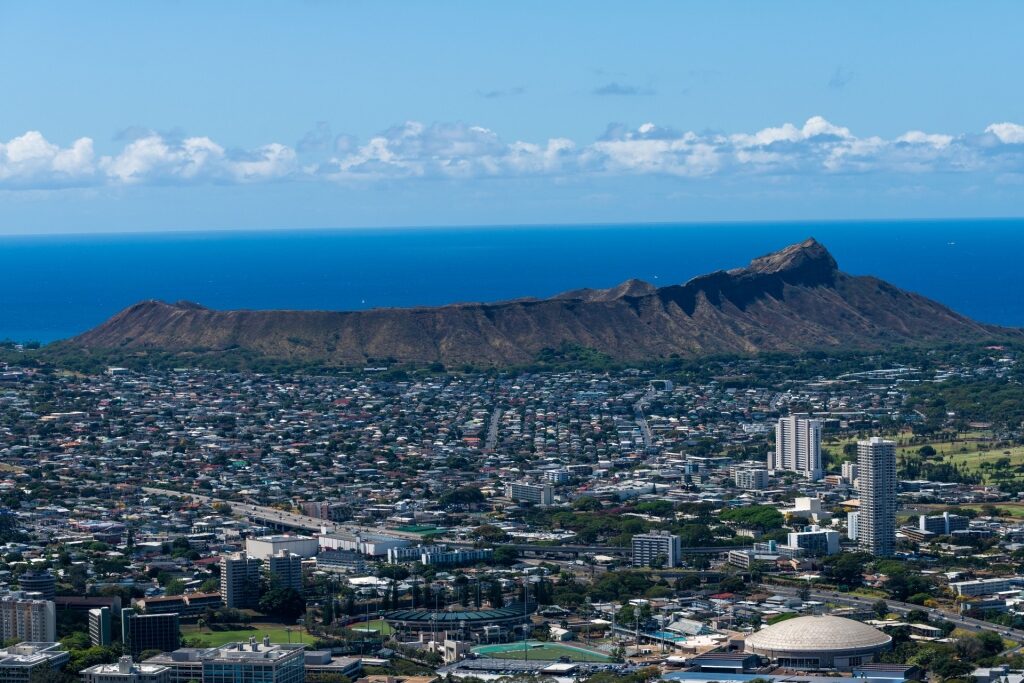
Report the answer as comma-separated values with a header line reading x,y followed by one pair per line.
x,y
56,286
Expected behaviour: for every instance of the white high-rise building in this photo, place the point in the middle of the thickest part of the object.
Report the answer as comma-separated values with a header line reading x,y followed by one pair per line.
x,y
284,570
850,472
797,447
657,548
751,480
876,474
240,580
27,619
538,494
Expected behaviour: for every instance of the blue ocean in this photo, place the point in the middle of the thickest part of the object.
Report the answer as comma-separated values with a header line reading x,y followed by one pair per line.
x,y
55,286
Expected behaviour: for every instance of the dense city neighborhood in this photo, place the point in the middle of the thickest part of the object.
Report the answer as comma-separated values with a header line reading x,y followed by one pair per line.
x,y
752,522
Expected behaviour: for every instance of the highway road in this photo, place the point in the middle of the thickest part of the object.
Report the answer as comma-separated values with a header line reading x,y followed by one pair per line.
x,y
967,623
275,517
615,550
641,419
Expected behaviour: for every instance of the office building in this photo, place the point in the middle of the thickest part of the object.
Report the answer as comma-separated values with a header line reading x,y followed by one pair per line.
x,y
657,548
141,632
557,476
943,524
814,541
240,580
265,547
187,605
99,627
126,671
27,619
411,553
27,662
38,582
332,512
441,556
981,587
78,603
284,570
340,561
370,544
258,662
751,480
538,494
322,665
876,473
797,447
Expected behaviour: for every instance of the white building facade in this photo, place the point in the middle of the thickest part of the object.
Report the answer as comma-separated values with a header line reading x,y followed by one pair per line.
x,y
797,447
876,524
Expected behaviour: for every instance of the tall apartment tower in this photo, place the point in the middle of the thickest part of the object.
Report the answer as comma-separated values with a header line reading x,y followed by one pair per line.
x,y
797,447
657,547
285,570
876,474
27,619
240,580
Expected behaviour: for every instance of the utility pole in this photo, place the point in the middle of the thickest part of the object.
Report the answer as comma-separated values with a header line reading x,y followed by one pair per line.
x,y
526,599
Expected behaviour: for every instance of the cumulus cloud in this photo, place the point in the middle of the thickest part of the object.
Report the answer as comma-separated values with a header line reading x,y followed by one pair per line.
x,y
462,151
1008,133
451,150
651,149
31,159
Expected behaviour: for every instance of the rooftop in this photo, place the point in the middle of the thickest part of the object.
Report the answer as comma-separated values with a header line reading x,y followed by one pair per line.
x,y
817,633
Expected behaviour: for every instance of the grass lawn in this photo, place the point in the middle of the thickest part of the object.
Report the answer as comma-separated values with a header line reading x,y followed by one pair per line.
x,y
540,652
974,459
380,625
277,634
1005,509
973,450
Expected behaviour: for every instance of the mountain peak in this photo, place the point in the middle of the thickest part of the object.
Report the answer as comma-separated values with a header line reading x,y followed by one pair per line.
x,y
807,262
807,257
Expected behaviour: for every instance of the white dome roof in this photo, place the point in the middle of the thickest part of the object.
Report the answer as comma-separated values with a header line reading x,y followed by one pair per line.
x,y
814,633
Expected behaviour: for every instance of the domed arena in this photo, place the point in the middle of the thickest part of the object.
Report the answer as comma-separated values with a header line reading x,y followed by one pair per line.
x,y
819,642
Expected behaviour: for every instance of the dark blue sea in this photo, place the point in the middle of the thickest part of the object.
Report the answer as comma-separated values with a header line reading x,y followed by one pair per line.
x,y
56,286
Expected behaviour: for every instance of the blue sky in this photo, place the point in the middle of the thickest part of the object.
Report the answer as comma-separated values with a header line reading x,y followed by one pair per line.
x,y
193,115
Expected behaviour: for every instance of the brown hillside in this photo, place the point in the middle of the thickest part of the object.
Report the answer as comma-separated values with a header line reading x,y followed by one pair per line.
x,y
794,299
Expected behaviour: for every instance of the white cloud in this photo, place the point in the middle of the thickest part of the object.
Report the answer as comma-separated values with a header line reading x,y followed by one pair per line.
x,y
814,127
31,159
447,151
152,158
916,137
1008,133
270,161
459,151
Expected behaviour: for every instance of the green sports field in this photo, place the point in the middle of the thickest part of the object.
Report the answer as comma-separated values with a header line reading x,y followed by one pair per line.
x,y
379,625
539,651
277,633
